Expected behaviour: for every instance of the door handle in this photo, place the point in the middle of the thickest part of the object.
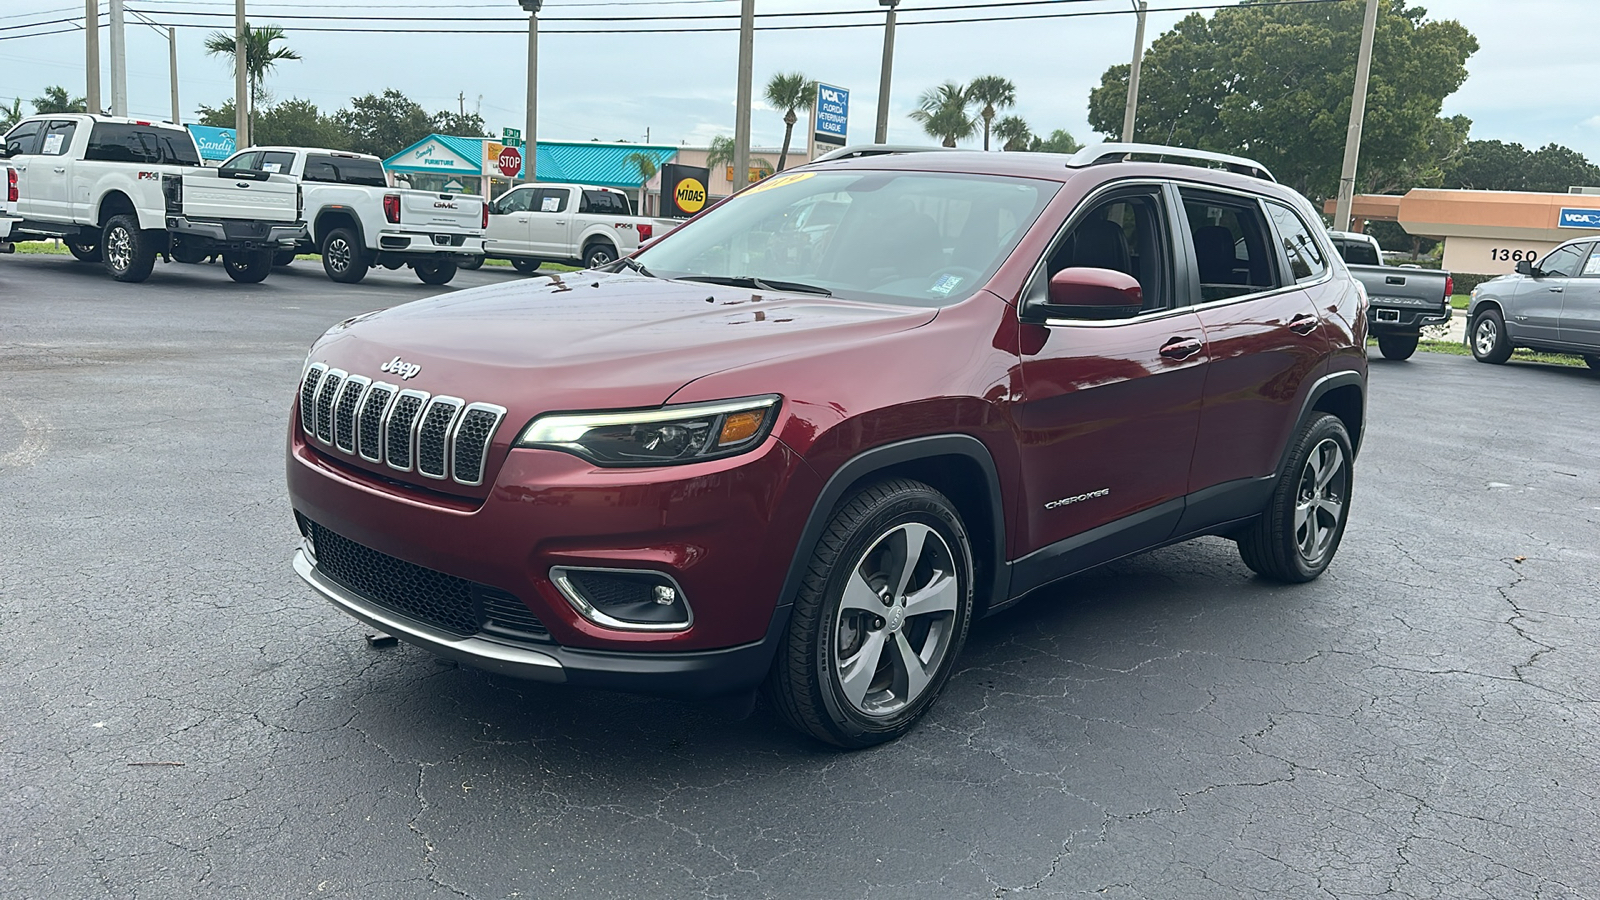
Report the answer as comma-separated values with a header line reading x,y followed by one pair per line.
x,y
1304,324
1557,290
60,169
1180,348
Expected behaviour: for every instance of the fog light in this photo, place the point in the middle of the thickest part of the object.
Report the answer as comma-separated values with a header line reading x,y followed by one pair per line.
x,y
624,599
665,595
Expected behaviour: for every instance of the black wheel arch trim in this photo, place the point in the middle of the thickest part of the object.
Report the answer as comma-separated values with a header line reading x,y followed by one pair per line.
x,y
1320,389
317,235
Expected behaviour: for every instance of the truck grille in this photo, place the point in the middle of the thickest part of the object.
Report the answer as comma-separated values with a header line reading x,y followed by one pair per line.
x,y
443,438
451,604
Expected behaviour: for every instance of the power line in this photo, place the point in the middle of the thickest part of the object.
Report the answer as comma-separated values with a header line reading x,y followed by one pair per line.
x,y
873,13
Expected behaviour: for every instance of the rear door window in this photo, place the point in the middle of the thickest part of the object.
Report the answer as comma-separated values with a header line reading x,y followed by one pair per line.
x,y
1357,253
553,200
132,143
1306,262
24,139
58,137
1231,245
279,162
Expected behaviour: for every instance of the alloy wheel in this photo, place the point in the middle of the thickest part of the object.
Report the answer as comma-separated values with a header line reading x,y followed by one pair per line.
x,y
1486,336
338,255
119,248
896,619
1320,500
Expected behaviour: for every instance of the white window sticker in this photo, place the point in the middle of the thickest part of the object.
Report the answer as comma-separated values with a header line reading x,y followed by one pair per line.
x,y
272,167
1592,267
550,204
945,285
52,144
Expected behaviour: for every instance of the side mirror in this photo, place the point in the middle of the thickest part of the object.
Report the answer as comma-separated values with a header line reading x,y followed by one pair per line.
x,y
1525,267
1081,293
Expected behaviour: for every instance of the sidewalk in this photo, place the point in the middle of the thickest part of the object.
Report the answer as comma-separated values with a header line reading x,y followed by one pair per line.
x,y
1454,331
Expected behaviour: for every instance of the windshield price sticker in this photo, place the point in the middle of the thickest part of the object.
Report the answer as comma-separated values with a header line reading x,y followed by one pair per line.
x,y
778,182
945,285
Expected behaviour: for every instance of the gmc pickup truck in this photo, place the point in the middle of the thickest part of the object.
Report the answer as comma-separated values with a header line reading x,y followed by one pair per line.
x,y
1403,300
123,191
566,223
356,221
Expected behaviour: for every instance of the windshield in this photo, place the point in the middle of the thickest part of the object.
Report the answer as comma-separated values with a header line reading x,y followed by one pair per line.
x,y
913,238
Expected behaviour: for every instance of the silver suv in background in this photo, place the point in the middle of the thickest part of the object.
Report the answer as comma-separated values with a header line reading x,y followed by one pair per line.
x,y
1553,305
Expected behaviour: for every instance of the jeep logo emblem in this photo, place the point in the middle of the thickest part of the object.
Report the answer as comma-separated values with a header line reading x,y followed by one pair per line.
x,y
399,367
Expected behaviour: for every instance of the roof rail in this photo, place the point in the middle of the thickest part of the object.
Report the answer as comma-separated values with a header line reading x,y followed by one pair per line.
x,y
1104,153
857,151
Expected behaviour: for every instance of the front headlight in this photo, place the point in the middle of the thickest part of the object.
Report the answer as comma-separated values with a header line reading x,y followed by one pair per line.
x,y
655,437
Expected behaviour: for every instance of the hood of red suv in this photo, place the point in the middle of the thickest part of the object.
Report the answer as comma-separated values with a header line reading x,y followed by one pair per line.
x,y
568,342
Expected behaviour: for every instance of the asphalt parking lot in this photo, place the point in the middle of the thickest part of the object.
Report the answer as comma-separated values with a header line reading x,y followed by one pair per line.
x,y
180,717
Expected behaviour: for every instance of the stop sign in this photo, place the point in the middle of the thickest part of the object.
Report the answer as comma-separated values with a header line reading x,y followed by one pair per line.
x,y
510,162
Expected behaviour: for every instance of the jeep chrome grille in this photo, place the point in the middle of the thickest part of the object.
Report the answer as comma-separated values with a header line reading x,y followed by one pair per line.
x,y
444,438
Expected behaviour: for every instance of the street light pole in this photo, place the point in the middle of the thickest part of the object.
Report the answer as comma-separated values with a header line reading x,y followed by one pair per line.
x,y
91,53
881,135
119,60
172,41
741,115
1133,75
1358,111
530,134
241,86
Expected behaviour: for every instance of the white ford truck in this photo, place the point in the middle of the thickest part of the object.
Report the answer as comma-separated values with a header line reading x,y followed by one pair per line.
x,y
573,224
356,221
123,192
8,207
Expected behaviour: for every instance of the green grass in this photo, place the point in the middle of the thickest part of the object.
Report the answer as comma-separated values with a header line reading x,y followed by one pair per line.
x,y
49,247
1460,301
1451,348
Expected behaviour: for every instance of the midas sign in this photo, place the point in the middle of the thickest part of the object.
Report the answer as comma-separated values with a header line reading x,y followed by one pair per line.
x,y
690,194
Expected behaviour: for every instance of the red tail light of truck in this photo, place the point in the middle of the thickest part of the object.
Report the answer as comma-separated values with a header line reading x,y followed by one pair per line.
x,y
391,208
485,224
11,185
1449,287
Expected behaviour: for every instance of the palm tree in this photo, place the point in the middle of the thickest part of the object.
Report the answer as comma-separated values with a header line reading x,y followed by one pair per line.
x,y
789,92
646,165
721,153
943,113
1014,132
260,56
56,100
10,117
994,93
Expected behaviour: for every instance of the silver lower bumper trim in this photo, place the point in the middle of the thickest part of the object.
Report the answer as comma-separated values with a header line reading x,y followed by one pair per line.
x,y
480,653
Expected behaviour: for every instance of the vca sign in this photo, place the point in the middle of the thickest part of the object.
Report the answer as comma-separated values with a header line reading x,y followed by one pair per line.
x,y
1580,218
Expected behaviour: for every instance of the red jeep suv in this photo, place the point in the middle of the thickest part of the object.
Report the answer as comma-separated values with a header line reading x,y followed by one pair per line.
x,y
800,443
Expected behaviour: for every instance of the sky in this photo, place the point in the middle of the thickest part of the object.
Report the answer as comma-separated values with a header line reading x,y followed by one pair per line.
x,y
681,88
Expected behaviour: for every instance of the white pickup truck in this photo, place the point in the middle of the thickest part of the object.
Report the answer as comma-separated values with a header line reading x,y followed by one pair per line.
x,y
124,191
8,207
566,223
356,221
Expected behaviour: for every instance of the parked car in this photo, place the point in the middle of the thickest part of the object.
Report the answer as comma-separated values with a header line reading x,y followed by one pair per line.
x,y
123,192
8,207
1552,306
573,224
357,222
1403,300
751,455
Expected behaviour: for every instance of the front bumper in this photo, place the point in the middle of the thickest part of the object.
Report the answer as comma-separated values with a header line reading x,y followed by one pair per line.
x,y
1390,319
238,234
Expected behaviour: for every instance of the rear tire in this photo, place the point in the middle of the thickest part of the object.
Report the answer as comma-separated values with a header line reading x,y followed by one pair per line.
x,y
525,266
438,272
855,669
283,257
83,252
248,267
1299,532
1397,346
598,254
128,253
343,258
1490,343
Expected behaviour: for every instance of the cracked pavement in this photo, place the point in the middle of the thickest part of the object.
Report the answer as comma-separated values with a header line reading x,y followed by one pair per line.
x,y
181,717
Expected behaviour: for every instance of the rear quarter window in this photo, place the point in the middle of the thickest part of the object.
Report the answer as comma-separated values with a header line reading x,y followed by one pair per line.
x,y
604,203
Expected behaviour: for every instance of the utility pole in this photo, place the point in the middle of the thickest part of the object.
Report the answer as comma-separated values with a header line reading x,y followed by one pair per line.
x,y
241,85
119,60
172,42
530,134
461,98
741,115
1358,112
1133,75
881,135
91,53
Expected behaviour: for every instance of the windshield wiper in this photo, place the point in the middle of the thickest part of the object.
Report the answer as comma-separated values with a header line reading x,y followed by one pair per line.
x,y
635,265
765,284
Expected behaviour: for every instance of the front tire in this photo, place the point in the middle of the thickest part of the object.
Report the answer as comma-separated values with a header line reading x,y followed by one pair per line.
x,y
1397,346
597,255
1490,343
128,253
343,258
437,272
881,615
1299,532
248,267
525,266
83,252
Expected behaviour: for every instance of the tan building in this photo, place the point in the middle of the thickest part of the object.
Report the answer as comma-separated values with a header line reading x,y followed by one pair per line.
x,y
1484,232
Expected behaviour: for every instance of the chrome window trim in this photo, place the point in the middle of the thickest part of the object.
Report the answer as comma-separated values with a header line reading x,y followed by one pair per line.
x,y
586,609
411,455
317,404
362,382
383,419
488,441
308,412
449,426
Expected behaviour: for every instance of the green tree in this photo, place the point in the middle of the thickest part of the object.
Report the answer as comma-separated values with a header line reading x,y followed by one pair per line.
x,y
299,123
721,153
459,124
385,124
1499,166
260,57
1014,133
1446,143
1554,168
994,93
943,113
55,99
1273,82
1059,141
11,116
645,165
789,92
